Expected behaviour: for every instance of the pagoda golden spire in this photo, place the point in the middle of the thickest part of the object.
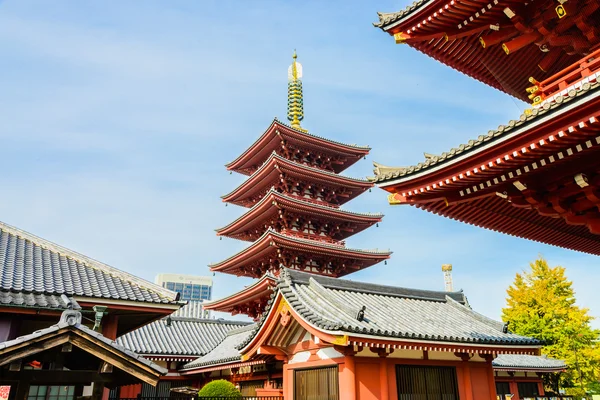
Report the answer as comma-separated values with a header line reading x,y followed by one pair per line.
x,y
295,112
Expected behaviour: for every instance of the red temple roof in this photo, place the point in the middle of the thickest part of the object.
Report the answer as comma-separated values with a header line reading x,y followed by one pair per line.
x,y
537,177
282,212
275,171
273,250
281,138
501,43
250,301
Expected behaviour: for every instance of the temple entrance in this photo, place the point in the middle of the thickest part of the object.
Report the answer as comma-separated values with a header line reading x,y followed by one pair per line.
x,y
316,384
426,383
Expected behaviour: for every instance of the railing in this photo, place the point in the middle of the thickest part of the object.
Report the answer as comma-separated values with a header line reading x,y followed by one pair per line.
x,y
565,78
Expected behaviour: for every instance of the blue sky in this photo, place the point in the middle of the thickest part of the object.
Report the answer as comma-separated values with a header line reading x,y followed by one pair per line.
x,y
118,116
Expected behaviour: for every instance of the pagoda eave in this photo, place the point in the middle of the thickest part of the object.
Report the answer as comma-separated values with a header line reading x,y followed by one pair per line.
x,y
541,182
286,175
291,213
273,250
502,43
530,143
250,301
284,139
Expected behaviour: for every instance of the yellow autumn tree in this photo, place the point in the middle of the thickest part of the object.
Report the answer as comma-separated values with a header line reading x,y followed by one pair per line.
x,y
541,304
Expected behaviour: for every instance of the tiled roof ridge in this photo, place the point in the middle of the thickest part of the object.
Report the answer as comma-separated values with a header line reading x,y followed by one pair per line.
x,y
520,361
87,261
365,287
248,327
524,119
198,363
219,321
388,18
474,314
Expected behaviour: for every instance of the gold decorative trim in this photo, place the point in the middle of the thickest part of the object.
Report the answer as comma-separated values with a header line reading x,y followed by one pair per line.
x,y
340,340
400,37
393,200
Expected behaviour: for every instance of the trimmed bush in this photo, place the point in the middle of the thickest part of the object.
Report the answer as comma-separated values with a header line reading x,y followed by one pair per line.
x,y
220,388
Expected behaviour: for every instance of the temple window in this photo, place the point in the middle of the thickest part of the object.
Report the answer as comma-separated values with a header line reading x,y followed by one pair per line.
x,y
316,384
426,383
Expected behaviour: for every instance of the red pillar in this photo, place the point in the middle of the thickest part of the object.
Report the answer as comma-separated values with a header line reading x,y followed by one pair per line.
x,y
383,377
109,326
467,380
349,379
109,330
514,389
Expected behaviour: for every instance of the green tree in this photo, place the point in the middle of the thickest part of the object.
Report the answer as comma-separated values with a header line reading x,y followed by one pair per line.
x,y
220,388
541,304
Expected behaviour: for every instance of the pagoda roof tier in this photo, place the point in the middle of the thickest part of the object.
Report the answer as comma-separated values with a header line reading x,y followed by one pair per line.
x,y
501,43
250,301
297,145
297,216
287,176
536,178
273,250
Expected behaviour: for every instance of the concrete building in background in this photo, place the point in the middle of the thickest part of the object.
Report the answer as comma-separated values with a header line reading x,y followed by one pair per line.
x,y
195,289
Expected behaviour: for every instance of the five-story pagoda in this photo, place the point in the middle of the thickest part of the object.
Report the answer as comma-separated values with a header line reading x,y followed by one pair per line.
x,y
293,195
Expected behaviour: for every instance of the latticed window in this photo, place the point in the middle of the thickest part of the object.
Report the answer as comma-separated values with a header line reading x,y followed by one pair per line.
x,y
51,393
426,383
316,384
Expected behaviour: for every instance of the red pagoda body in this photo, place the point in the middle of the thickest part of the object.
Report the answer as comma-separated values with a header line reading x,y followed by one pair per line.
x,y
293,194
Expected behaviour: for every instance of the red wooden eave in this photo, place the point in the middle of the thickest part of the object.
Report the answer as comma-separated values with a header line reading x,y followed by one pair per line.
x,y
542,183
271,140
271,243
269,175
257,218
450,32
257,292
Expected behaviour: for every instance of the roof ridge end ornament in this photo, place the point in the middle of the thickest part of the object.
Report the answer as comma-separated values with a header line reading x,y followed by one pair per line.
x,y
429,156
381,169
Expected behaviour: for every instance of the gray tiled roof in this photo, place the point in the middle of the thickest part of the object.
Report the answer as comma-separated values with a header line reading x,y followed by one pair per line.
x,y
389,18
37,300
193,309
71,319
332,304
34,267
554,104
184,337
523,361
226,351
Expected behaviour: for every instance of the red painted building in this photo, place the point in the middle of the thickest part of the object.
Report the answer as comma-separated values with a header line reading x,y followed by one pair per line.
x,y
537,176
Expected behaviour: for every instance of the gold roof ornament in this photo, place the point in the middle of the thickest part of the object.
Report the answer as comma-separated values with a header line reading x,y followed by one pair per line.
x,y
295,111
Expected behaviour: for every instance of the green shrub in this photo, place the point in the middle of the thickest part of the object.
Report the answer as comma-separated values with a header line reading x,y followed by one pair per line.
x,y
220,388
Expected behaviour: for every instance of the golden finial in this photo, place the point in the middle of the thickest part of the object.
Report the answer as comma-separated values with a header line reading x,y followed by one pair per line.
x,y
295,112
